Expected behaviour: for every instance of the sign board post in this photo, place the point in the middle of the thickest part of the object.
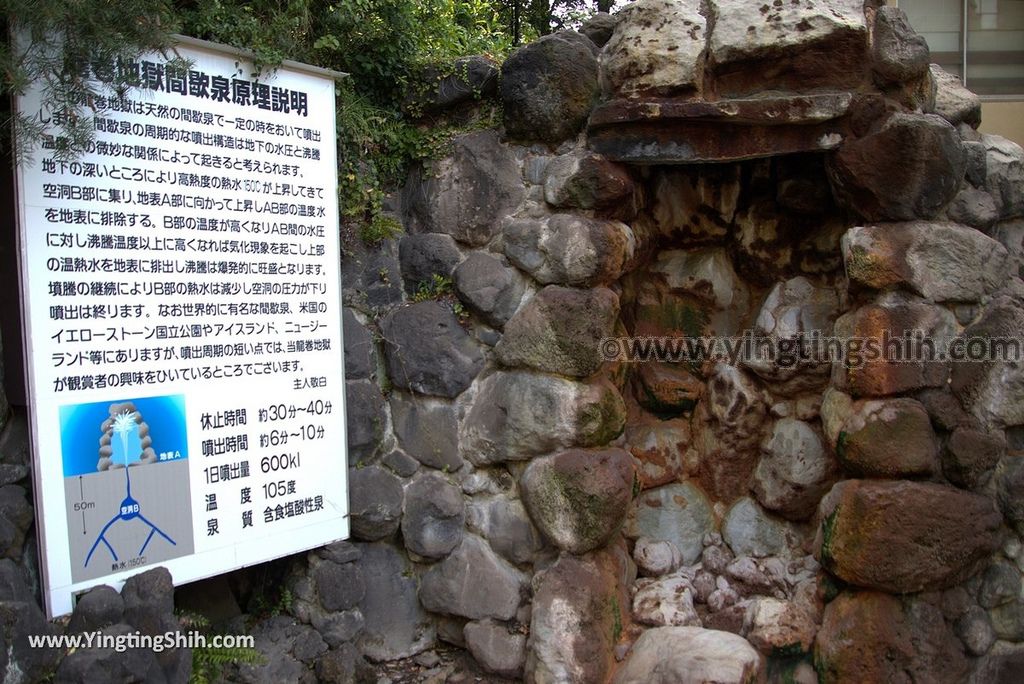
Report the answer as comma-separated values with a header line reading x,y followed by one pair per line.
x,y
182,300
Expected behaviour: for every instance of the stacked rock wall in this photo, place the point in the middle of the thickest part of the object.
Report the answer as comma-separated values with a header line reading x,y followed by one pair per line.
x,y
520,489
698,169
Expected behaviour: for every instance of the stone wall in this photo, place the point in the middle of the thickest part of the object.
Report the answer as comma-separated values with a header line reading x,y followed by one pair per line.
x,y
683,168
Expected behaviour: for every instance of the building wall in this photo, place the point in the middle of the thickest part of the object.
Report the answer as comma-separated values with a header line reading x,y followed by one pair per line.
x,y
1004,118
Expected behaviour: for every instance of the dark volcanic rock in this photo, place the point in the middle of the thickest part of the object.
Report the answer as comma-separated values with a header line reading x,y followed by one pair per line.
x,y
909,168
549,86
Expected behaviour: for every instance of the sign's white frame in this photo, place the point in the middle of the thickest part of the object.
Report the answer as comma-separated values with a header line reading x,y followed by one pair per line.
x,y
49,482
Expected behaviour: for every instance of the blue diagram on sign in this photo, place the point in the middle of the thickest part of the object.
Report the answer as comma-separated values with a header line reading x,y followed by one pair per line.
x,y
126,444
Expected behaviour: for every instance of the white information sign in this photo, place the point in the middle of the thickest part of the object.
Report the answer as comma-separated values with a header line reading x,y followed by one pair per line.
x,y
182,307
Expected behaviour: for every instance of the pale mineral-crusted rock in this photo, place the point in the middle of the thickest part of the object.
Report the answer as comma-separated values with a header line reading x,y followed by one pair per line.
x,y
903,537
679,513
655,50
665,601
787,46
775,625
939,261
750,531
793,310
559,331
691,655
660,449
579,609
577,498
655,558
795,470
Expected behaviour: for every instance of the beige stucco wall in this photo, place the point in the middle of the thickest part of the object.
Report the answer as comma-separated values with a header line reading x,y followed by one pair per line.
x,y
1004,118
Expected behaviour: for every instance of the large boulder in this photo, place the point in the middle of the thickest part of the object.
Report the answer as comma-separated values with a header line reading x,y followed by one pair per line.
x,y
566,249
993,390
432,516
364,419
888,324
467,79
396,626
910,167
584,180
750,531
467,193
427,430
578,614
872,637
489,288
691,655
904,537
939,261
559,331
579,499
425,257
497,647
505,524
472,582
792,312
359,363
888,438
375,502
788,46
899,54
549,86
655,50
1004,174
428,352
953,102
517,415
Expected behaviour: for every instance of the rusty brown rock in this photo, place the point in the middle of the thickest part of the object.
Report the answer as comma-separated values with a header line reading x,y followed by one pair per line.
x,y
911,167
889,317
666,388
872,637
659,449
902,537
